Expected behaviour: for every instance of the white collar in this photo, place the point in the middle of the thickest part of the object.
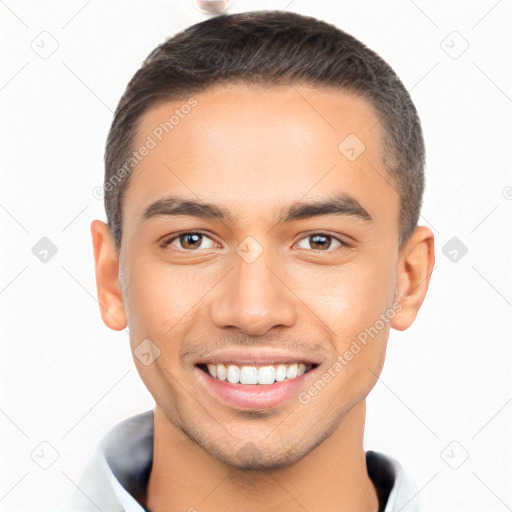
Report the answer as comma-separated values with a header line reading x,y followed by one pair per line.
x,y
121,462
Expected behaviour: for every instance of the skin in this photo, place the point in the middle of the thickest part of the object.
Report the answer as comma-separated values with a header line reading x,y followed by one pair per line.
x,y
254,151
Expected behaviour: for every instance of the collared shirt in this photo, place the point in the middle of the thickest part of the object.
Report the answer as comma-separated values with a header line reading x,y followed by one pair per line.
x,y
119,468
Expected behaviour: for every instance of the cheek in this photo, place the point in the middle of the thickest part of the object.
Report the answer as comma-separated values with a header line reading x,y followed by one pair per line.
x,y
163,298
351,297
354,303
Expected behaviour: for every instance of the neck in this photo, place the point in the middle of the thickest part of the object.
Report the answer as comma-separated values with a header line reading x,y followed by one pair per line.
x,y
333,476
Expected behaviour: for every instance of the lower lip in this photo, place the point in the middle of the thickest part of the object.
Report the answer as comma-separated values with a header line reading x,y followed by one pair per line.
x,y
254,396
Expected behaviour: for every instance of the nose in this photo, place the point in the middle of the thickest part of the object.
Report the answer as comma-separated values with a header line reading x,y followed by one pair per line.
x,y
254,298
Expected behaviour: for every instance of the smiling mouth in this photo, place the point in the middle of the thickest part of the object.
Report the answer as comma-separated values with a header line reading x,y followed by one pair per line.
x,y
256,375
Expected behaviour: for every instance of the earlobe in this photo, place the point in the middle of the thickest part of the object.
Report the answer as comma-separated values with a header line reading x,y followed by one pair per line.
x,y
414,269
108,288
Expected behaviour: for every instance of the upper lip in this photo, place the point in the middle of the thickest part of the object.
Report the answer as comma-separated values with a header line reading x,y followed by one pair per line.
x,y
256,357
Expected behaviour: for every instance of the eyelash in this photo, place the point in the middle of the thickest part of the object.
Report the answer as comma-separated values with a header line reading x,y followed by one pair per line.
x,y
168,241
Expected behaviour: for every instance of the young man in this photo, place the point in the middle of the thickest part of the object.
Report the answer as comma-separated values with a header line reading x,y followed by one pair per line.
x,y
263,184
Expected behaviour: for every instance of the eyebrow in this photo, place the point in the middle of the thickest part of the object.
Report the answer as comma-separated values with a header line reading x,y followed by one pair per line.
x,y
341,204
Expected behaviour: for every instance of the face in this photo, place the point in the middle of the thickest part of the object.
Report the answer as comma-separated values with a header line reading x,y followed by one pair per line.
x,y
256,280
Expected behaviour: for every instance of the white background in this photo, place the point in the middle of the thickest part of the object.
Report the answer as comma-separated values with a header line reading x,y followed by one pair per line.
x,y
66,378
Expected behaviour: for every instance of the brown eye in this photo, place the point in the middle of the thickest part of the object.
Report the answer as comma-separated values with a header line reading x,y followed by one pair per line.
x,y
190,241
321,242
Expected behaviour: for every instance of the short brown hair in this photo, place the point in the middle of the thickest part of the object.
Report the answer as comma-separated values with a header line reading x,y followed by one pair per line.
x,y
269,48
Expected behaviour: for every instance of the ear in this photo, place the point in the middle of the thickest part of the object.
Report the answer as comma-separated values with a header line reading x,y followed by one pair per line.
x,y
108,288
415,265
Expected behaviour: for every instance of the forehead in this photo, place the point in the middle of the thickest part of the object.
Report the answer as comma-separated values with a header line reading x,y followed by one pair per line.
x,y
251,148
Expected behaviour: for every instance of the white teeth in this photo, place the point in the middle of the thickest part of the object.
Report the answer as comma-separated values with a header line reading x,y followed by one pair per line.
x,y
257,375
249,375
280,373
221,371
291,371
213,370
266,375
233,374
